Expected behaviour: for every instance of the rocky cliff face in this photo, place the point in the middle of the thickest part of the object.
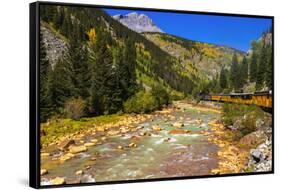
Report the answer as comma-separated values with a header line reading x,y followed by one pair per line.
x,y
137,22
55,46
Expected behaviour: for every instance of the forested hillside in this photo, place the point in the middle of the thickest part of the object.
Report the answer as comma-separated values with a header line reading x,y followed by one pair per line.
x,y
91,65
102,65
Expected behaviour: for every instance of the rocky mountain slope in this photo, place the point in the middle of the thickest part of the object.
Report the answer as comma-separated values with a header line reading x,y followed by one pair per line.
x,y
137,22
203,59
55,44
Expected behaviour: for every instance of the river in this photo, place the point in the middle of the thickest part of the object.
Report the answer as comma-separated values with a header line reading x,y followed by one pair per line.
x,y
166,145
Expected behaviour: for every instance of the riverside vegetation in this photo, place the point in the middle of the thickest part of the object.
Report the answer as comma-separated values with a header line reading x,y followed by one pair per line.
x,y
116,104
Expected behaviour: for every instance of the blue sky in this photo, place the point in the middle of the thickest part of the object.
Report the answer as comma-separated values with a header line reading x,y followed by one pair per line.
x,y
236,32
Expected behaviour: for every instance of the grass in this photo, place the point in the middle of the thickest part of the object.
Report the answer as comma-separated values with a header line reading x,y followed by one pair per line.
x,y
57,128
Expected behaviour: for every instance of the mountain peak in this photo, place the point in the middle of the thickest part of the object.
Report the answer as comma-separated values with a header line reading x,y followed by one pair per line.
x,y
137,22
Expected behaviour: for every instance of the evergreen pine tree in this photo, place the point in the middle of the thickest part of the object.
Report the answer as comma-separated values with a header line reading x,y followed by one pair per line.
x,y
61,85
126,62
223,79
244,70
253,67
105,95
78,57
262,64
234,73
268,75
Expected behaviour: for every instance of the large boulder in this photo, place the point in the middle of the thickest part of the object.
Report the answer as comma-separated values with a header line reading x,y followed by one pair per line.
x,y
261,157
253,139
257,155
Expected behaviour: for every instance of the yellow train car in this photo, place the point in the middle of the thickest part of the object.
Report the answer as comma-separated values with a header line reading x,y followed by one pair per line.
x,y
262,99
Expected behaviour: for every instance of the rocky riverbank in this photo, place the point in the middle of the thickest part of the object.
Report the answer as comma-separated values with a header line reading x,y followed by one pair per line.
x,y
246,145
184,139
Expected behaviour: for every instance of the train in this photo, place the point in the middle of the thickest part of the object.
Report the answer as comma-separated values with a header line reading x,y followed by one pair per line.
x,y
262,99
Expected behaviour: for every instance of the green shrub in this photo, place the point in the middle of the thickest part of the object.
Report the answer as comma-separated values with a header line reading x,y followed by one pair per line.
x,y
175,95
245,114
141,102
161,95
74,108
231,112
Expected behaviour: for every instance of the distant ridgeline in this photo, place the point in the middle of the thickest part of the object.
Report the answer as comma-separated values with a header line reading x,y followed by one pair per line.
x,y
95,64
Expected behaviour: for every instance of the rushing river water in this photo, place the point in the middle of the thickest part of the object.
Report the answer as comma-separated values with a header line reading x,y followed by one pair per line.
x,y
159,155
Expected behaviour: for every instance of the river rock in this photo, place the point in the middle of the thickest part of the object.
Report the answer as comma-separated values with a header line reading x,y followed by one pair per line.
x,y
156,128
120,147
257,155
89,144
177,132
132,145
199,121
178,124
94,141
167,139
43,171
77,149
113,133
58,181
66,157
88,167
65,144
140,127
124,130
79,172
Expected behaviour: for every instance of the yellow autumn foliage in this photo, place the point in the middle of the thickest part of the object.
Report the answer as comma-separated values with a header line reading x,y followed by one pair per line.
x,y
92,34
208,50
